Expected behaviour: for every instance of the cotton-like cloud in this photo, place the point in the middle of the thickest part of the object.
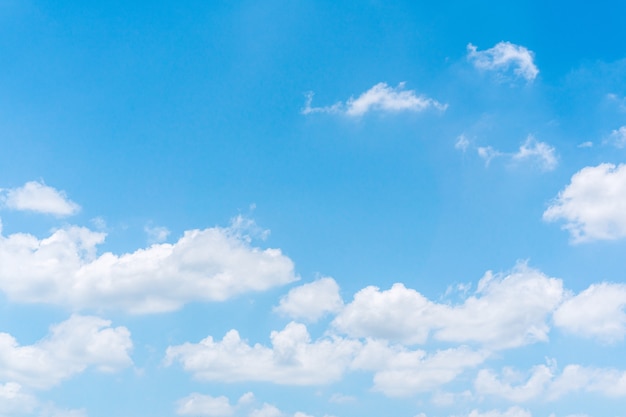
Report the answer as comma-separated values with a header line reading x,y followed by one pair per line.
x,y
506,311
540,153
379,98
311,301
593,205
543,382
504,56
205,405
400,372
14,401
203,265
489,383
71,347
597,312
38,197
292,358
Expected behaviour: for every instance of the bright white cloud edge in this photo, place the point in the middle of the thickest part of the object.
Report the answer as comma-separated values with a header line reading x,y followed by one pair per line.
x,y
38,197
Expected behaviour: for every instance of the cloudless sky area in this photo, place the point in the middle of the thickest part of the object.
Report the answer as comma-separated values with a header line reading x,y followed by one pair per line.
x,y
312,208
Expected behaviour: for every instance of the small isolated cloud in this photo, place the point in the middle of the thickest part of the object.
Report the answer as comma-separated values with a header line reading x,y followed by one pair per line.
x,y
205,405
617,137
156,234
38,197
71,347
503,57
312,301
541,152
587,144
593,205
531,151
203,265
462,143
292,358
339,398
379,98
597,312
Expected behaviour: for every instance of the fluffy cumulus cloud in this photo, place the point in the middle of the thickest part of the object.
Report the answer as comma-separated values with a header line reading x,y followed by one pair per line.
x,y
597,312
38,197
618,137
593,205
203,265
379,98
543,382
503,57
292,359
311,301
71,347
205,405
400,372
506,311
14,401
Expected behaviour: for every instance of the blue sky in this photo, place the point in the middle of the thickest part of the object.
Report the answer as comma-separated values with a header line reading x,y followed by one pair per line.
x,y
312,209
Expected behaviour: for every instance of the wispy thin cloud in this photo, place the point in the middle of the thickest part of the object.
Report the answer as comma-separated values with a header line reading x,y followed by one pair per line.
x,y
503,57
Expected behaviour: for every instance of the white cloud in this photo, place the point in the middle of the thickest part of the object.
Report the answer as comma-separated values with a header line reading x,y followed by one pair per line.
x,y
543,382
504,56
156,234
541,152
618,137
462,143
514,411
312,301
381,98
292,359
587,144
593,205
203,265
531,150
38,197
505,311
488,383
596,312
400,372
339,398
14,401
204,405
71,347
267,410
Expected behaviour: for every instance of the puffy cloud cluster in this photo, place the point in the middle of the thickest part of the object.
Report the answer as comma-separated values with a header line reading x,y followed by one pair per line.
x,y
71,347
506,311
379,98
213,264
38,197
504,56
593,205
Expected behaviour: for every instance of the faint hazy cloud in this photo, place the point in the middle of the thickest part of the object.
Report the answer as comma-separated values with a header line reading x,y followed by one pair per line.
x,y
532,150
38,197
502,57
379,98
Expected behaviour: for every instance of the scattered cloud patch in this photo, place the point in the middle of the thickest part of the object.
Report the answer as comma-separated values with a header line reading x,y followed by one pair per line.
x,y
617,137
593,205
514,411
503,57
292,358
587,144
531,150
489,383
506,310
380,98
205,405
38,197
156,234
462,143
311,301
597,312
71,347
213,264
